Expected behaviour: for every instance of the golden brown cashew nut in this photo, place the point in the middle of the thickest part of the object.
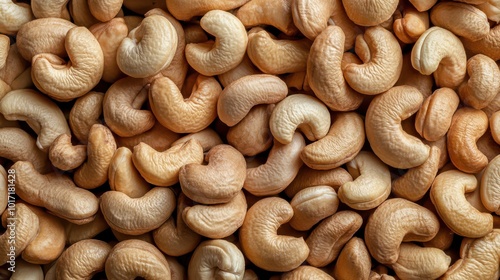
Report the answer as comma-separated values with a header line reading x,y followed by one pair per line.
x,y
214,58
388,140
124,177
82,259
312,205
415,262
276,13
370,12
380,70
259,239
490,191
162,168
410,25
398,220
41,114
325,75
440,52
136,216
236,100
354,261
105,10
139,55
80,13
216,259
306,272
48,9
13,16
64,155
185,115
307,177
85,113
448,195
18,145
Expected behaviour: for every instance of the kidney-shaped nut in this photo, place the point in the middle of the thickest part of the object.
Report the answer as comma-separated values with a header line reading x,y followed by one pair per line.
x,y
410,25
17,145
182,115
124,177
262,12
219,259
259,239
448,196
490,189
140,55
85,113
13,16
416,262
398,220
185,10
383,60
214,58
136,216
312,205
354,261
41,114
388,140
440,52
370,12
89,254
64,155
306,272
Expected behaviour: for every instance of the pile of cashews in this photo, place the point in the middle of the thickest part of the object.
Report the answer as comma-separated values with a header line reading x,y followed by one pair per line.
x,y
250,139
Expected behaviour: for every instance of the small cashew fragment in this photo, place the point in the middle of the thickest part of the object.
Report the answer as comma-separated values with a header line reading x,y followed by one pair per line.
x,y
490,190
182,115
312,205
124,177
388,140
216,259
440,52
306,272
18,145
410,25
467,126
85,113
185,10
354,262
214,58
236,100
259,239
162,168
398,220
383,60
139,55
13,16
64,155
416,263
41,114
448,196
370,12
276,13
89,254
105,10
50,9
307,177
136,216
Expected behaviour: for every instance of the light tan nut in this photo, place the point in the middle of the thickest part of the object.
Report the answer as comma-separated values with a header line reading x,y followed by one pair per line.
x,y
124,177
27,271
213,58
236,100
41,114
354,261
245,68
371,185
4,49
312,205
307,177
324,71
105,10
281,167
380,71
75,233
218,220
383,120
467,126
89,254
370,12
185,115
444,238
177,270
482,86
136,216
219,259
328,238
277,13
410,24
48,9
16,72
411,77
18,145
440,52
491,8
80,13
162,168
277,56
13,15
259,239
139,55
306,272
415,262
394,221
490,191
207,137
448,196
488,45
193,33
85,112
343,142
159,138
64,155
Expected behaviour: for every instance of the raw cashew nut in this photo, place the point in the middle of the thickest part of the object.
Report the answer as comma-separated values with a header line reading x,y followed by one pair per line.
x,y
18,145
387,138
307,177
245,68
216,259
354,261
85,113
306,272
185,10
491,8
50,9
159,138
259,239
105,10
214,58
13,16
4,49
410,25
416,263
411,77
208,139
41,114
64,155
80,13
312,205
448,195
276,13
124,177
423,5
370,12
82,259
490,189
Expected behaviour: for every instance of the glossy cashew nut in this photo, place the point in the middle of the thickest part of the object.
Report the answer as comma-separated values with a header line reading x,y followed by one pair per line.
x,y
82,259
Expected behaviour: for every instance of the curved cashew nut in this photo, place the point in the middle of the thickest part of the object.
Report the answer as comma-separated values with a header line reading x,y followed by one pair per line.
x,y
398,220
448,195
41,114
490,191
4,189
411,77
50,9
18,145
259,239
85,113
208,139
185,115
185,10
216,259
370,12
4,49
105,10
124,177
307,177
312,205
80,13
214,58
158,137
415,262
64,155
410,25
89,254
306,272
245,68
440,52
139,55
263,12
75,233
354,261
13,16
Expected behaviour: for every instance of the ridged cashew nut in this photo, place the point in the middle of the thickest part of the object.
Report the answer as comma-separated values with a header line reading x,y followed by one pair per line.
x,y
490,190
423,5
80,13
18,145
311,205
411,77
82,259
354,261
370,12
307,177
415,262
13,15
85,113
245,68
64,155
124,177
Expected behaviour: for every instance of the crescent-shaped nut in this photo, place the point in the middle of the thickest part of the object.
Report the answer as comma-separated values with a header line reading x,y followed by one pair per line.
x,y
416,262
162,168
440,52
182,115
395,221
448,196
13,16
214,58
105,10
64,155
277,13
383,65
306,272
259,239
490,189
307,177
4,49
80,13
124,177
488,45
236,100
387,138
139,55
411,77
410,25
312,205
91,256
50,9
136,216
370,12
354,261
185,9
85,113
41,114
17,145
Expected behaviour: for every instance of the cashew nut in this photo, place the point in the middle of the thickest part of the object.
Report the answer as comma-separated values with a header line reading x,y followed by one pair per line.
x,y
85,113
306,272
312,205
47,9
307,177
410,25
124,177
370,12
185,10
490,191
276,13
64,155
18,145
354,261
415,262
158,137
208,139
13,15
105,10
